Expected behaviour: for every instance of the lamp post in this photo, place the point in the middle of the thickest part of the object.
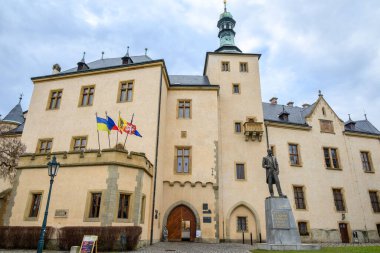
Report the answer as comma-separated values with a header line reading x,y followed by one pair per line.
x,y
53,167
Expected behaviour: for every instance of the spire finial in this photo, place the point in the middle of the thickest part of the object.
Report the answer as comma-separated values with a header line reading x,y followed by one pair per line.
x,y
20,98
127,50
365,116
146,51
320,93
102,54
225,5
349,116
84,53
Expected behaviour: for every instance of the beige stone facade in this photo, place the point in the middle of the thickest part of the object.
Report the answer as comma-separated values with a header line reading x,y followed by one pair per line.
x,y
205,157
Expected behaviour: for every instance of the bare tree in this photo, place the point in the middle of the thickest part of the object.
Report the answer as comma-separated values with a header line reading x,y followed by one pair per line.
x,y
10,150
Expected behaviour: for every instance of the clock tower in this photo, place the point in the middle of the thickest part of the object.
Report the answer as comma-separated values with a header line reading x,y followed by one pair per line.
x,y
226,34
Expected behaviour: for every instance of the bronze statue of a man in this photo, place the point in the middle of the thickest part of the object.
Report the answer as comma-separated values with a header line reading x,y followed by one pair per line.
x,y
271,166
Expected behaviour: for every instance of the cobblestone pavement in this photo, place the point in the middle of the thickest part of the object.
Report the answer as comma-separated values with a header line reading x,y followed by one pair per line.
x,y
186,247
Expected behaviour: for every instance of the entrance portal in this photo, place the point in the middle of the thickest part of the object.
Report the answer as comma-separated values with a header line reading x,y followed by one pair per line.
x,y
181,224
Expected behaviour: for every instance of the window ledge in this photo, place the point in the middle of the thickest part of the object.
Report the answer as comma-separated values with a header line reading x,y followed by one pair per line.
x,y
296,165
31,219
339,169
91,220
327,132
369,172
119,220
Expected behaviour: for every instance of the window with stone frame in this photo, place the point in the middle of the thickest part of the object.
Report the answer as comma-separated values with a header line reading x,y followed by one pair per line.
x,y
327,126
339,200
142,210
236,88
184,109
123,211
79,143
87,95
183,160
366,161
373,195
243,67
126,91
302,228
331,158
378,229
299,197
44,146
55,99
225,66
240,171
241,224
35,204
294,154
95,202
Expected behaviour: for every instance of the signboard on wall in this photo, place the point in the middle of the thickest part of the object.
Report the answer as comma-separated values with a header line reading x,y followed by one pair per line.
x,y
89,244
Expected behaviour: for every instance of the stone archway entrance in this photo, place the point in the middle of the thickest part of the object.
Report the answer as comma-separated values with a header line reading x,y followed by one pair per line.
x,y
181,224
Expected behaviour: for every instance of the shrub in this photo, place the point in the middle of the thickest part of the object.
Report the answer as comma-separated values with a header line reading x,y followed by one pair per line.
x,y
14,237
108,237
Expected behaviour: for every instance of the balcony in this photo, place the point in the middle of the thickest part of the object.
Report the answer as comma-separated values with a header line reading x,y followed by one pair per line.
x,y
253,130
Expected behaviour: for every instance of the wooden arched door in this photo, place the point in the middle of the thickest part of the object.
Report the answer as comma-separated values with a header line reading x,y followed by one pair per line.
x,y
181,224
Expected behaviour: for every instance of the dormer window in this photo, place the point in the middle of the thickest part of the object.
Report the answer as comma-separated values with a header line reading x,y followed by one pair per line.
x,y
284,115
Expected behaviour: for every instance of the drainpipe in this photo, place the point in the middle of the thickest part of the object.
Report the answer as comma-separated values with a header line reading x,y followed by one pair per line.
x,y
266,133
155,161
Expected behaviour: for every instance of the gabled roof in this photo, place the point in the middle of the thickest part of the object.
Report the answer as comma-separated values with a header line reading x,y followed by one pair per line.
x,y
296,114
16,115
188,80
110,62
362,126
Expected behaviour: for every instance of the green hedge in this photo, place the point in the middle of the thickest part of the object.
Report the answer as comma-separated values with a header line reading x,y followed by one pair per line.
x,y
21,237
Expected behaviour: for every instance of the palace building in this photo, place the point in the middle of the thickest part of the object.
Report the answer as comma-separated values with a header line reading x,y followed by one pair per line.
x,y
196,174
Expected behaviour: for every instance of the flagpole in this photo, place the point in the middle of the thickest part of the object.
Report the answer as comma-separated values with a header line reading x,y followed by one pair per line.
x,y
127,132
117,133
109,142
96,115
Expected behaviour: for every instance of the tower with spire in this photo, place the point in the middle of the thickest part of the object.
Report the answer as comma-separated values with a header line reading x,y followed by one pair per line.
x,y
226,34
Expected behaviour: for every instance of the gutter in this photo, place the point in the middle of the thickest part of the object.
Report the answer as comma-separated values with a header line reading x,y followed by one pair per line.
x,y
155,161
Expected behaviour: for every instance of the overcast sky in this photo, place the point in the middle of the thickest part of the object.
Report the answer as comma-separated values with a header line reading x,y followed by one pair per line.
x,y
306,46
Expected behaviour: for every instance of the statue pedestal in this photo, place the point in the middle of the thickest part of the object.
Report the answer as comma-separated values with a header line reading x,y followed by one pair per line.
x,y
282,230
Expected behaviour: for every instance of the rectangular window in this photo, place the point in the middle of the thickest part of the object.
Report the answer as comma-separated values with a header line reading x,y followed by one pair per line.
x,y
95,205
378,229
79,143
302,228
183,160
294,154
240,171
273,148
123,206
35,204
326,126
299,197
184,109
374,201
236,88
44,146
366,161
241,224
225,66
243,67
87,95
55,99
237,127
338,199
126,91
142,211
331,158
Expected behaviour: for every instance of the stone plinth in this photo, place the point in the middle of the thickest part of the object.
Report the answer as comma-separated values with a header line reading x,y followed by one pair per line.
x,y
282,230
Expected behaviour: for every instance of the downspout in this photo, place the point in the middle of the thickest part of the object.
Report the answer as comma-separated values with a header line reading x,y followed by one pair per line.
x,y
155,161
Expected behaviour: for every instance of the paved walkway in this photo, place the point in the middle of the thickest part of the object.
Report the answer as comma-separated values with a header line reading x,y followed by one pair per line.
x,y
186,247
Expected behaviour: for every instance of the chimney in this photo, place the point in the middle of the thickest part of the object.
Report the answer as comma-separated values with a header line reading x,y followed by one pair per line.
x,y
273,101
82,64
290,104
305,105
56,69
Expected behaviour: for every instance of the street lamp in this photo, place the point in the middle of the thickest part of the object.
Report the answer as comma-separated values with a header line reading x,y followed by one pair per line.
x,y
53,167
